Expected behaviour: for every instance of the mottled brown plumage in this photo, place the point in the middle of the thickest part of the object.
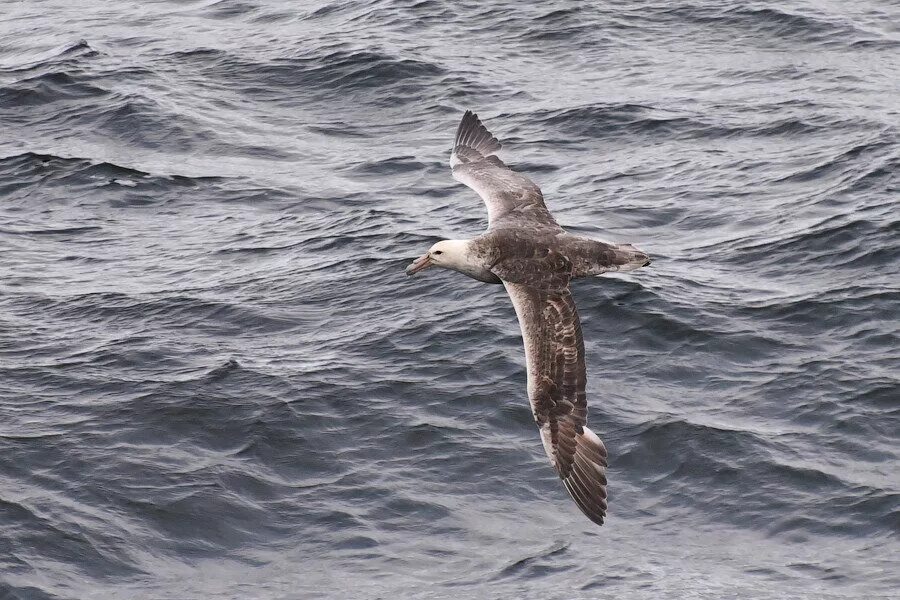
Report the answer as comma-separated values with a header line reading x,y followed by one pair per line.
x,y
535,259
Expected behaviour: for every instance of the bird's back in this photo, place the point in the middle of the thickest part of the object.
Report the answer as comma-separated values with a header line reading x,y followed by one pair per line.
x,y
531,248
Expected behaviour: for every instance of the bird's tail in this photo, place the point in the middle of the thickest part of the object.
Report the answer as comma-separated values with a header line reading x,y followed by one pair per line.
x,y
628,258
593,257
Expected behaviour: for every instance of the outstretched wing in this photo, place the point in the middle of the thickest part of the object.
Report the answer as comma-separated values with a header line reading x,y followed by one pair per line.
x,y
504,191
554,352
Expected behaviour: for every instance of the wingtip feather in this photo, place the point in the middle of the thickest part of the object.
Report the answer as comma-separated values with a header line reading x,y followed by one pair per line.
x,y
586,480
472,133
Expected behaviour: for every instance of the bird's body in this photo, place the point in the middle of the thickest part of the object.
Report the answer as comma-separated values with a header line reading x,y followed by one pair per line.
x,y
529,246
535,259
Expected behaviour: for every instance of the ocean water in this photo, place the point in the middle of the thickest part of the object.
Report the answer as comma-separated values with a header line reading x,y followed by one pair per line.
x,y
217,382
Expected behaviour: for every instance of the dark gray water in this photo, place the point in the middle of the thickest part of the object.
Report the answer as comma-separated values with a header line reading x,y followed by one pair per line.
x,y
217,382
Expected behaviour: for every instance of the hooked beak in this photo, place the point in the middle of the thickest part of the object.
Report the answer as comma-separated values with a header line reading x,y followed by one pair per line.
x,y
420,264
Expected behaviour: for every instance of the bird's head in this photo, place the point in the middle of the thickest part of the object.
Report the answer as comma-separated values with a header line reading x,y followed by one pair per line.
x,y
446,253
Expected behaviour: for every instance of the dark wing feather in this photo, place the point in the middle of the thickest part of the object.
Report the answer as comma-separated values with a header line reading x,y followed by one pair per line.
x,y
505,192
554,351
472,134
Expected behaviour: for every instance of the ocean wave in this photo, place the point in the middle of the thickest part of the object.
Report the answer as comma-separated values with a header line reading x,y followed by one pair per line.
x,y
229,9
61,100
567,27
876,44
55,86
61,58
776,24
326,73
179,310
31,169
834,241
733,474
625,121
868,150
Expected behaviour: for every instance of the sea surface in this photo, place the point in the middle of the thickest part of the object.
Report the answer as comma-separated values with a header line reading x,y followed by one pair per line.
x,y
216,381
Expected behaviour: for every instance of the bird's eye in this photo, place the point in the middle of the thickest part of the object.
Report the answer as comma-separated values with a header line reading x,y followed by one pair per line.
x,y
438,251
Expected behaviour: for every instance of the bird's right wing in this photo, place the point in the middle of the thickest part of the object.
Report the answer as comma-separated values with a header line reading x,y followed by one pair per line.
x,y
554,352
505,192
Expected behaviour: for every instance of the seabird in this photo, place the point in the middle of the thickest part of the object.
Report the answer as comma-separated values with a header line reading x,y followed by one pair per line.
x,y
534,258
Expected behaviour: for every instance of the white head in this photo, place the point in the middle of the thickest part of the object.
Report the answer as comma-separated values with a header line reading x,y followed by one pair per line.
x,y
449,254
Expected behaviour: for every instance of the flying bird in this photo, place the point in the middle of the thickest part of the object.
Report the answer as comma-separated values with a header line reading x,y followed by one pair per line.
x,y
534,258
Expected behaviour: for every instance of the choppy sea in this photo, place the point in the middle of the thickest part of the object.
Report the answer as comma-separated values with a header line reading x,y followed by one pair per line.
x,y
217,382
